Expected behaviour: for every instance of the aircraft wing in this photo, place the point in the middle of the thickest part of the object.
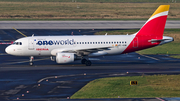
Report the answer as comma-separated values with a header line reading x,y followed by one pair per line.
x,y
80,51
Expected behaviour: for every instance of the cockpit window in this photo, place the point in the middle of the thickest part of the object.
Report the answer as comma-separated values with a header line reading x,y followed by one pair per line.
x,y
17,43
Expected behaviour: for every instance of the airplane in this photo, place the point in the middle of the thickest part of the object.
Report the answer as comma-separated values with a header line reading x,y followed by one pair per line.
x,y
66,49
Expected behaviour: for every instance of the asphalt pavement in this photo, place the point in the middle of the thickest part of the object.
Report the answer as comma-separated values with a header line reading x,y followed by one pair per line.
x,y
127,24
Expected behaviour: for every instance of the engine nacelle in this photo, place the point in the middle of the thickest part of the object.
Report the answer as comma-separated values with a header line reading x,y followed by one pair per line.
x,y
64,57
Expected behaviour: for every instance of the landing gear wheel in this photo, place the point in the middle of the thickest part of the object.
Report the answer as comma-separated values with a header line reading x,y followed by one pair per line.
x,y
88,63
83,61
30,63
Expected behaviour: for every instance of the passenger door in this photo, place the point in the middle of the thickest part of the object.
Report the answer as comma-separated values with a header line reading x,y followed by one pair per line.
x,y
31,44
135,42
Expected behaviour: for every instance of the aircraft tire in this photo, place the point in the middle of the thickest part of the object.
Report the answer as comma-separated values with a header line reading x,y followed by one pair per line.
x,y
88,63
83,61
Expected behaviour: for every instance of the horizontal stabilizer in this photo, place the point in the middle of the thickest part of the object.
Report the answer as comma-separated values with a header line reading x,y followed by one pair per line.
x,y
155,40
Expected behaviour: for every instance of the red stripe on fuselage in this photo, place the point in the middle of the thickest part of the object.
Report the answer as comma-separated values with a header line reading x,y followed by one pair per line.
x,y
153,29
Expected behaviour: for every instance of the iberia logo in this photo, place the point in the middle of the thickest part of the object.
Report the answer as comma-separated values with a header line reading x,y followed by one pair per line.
x,y
42,49
66,56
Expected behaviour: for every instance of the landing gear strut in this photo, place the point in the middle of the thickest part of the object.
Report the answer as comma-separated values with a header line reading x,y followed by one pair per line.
x,y
85,61
31,61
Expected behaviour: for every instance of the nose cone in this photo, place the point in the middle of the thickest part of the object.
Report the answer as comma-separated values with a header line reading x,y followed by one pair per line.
x,y
8,50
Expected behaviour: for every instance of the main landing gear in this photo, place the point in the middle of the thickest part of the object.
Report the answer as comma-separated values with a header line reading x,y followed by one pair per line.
x,y
31,61
85,61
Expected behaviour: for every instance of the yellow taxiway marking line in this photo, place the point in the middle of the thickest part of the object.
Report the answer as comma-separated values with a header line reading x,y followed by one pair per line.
x,y
19,32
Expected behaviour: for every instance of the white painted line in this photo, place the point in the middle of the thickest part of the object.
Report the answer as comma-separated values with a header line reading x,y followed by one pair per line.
x,y
25,61
3,54
159,99
52,77
149,57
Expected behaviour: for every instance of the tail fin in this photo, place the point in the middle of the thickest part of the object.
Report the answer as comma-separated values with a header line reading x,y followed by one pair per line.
x,y
151,33
155,25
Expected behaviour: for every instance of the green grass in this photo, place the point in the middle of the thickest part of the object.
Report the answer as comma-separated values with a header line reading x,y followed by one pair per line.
x,y
148,86
175,56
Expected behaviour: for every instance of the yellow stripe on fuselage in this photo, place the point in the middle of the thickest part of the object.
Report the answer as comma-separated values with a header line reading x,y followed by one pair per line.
x,y
161,8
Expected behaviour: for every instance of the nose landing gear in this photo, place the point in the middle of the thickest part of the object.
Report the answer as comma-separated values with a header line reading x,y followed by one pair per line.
x,y
31,61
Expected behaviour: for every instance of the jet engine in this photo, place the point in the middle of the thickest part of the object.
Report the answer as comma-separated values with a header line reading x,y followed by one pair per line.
x,y
65,57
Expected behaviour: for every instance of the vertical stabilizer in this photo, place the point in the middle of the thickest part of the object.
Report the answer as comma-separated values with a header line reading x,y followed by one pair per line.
x,y
155,25
151,33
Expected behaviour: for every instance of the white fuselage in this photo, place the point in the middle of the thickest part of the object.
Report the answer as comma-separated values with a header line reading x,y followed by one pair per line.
x,y
44,45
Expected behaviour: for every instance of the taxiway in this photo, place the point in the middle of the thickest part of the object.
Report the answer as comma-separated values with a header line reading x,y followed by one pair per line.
x,y
80,24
